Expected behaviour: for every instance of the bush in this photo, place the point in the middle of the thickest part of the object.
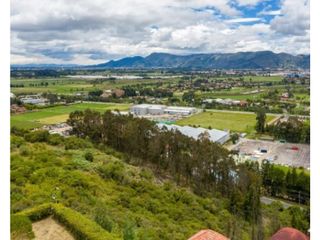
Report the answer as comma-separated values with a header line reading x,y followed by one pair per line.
x,y
37,136
81,227
55,139
20,227
38,212
101,217
76,143
88,156
113,170
19,131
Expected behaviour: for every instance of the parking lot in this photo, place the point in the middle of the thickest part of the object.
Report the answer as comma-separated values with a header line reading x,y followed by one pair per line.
x,y
287,154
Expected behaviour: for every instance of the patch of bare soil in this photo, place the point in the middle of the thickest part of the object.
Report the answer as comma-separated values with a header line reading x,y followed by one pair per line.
x,y
49,229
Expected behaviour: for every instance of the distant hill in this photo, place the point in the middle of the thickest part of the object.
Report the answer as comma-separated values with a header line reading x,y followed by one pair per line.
x,y
240,60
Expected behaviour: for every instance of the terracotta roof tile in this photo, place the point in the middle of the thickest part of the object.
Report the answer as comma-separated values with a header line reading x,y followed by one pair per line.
x,y
288,233
208,234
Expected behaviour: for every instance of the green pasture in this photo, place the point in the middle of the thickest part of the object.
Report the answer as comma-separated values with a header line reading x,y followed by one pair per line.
x,y
58,114
237,122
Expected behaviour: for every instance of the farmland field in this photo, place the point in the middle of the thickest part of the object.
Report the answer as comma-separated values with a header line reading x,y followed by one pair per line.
x,y
238,122
59,114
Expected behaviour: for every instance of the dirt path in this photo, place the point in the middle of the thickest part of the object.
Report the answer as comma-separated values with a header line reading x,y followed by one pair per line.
x,y
49,229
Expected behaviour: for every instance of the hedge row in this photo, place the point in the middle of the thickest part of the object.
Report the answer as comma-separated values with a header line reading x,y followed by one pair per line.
x,y
81,227
21,227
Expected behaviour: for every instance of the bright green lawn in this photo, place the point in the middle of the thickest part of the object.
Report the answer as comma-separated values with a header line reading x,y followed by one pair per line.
x,y
238,122
59,114
263,78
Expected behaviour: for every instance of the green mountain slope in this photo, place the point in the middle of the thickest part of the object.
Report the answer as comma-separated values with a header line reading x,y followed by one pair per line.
x,y
125,200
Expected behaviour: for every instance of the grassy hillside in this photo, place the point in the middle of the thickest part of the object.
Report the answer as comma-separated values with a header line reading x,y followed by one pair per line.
x,y
125,200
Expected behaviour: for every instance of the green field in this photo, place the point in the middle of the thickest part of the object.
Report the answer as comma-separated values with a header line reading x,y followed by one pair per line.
x,y
238,122
59,114
72,86
263,78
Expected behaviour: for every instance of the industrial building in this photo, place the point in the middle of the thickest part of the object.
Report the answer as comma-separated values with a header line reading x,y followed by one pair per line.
x,y
214,135
153,109
34,99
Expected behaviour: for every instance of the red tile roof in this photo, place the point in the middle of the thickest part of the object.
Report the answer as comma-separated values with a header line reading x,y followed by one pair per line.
x,y
288,233
208,234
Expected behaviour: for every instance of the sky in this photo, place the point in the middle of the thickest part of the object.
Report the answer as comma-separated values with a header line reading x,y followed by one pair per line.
x,y
96,31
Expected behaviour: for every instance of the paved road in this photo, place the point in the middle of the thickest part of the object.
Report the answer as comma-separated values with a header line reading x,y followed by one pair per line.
x,y
267,200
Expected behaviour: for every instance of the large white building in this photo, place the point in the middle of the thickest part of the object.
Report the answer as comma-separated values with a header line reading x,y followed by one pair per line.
x,y
34,99
152,109
214,135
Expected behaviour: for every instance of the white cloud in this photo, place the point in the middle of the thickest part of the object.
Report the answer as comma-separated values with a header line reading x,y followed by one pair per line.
x,y
270,12
294,18
243,20
94,31
248,2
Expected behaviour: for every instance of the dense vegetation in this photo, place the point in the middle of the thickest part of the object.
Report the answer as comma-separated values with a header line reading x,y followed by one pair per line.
x,y
292,130
125,200
292,184
200,164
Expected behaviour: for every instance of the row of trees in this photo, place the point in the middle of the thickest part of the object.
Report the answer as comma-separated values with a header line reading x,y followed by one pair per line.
x,y
286,183
292,130
200,164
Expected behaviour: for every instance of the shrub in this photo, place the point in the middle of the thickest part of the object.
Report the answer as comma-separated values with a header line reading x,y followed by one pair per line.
x,y
88,156
101,217
113,170
128,231
76,143
81,227
19,131
38,212
16,141
37,136
20,227
55,139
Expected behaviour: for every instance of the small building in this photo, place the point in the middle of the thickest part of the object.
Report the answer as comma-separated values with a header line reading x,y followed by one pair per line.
x,y
208,234
106,94
14,108
12,95
118,93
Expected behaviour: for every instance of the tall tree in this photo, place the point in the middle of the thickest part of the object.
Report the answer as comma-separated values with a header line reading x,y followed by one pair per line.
x,y
261,120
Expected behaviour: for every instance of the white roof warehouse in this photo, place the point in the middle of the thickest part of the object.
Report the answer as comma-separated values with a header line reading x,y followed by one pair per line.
x,y
215,135
152,109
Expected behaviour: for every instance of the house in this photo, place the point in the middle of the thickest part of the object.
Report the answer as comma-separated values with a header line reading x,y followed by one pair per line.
x,y
288,233
14,108
118,92
208,234
106,94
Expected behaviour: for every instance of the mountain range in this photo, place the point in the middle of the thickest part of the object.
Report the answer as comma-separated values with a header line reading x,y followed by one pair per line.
x,y
240,60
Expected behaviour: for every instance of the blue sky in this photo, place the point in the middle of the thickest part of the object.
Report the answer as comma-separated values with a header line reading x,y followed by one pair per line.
x,y
95,31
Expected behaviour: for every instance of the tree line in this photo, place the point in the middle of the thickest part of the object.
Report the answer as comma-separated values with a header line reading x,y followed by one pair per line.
x,y
203,166
289,184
